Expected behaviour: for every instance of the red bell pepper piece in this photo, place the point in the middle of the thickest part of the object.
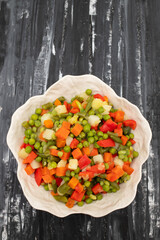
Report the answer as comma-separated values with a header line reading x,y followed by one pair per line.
x,y
109,125
38,176
95,128
77,196
132,141
119,125
74,143
97,188
99,96
130,123
86,175
97,168
84,161
58,181
23,146
106,143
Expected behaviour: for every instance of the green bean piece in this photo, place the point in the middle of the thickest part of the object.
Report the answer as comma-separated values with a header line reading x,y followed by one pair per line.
x,y
61,99
44,162
99,196
25,124
88,200
61,198
116,139
89,104
63,189
104,175
121,147
54,186
113,150
68,173
47,105
126,130
80,204
64,115
115,185
123,152
112,134
103,150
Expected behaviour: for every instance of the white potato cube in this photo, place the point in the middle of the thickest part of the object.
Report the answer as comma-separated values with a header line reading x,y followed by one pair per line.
x,y
22,154
93,120
73,164
118,162
48,133
107,108
97,103
61,163
98,159
35,164
46,116
61,109
68,140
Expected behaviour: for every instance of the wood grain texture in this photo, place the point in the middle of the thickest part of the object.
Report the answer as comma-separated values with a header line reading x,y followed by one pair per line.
x,y
118,41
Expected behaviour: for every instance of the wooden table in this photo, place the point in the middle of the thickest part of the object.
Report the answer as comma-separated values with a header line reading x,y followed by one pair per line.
x,y
118,41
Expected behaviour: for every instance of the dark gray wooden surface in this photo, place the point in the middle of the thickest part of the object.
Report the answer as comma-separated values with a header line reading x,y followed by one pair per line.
x,y
116,40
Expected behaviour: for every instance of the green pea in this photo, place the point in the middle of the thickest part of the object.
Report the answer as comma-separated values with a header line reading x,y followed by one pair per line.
x,y
29,131
105,188
80,119
34,129
69,117
33,135
40,150
113,150
82,135
96,138
107,183
106,117
88,92
100,134
80,204
84,122
89,192
66,179
28,149
79,139
31,122
37,145
71,135
91,112
129,144
72,174
131,135
25,124
106,166
80,145
68,173
26,140
42,129
101,183
38,111
88,200
46,187
38,159
99,196
76,176
121,156
43,144
135,154
85,144
60,154
130,159
94,132
77,170
91,140
62,120
31,141
87,183
37,123
100,138
99,115
96,145
34,117
105,136
87,128
125,159
90,134
39,118
67,149
101,110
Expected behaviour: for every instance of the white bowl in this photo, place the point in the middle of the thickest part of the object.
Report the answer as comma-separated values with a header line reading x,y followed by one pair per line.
x,y
70,86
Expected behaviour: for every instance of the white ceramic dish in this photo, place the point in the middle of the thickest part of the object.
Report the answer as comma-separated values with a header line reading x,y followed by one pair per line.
x,y
70,86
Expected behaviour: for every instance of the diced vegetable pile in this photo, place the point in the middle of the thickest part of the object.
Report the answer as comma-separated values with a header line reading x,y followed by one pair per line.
x,y
79,150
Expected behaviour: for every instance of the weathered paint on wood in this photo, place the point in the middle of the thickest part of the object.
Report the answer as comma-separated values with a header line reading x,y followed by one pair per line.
x,y
118,41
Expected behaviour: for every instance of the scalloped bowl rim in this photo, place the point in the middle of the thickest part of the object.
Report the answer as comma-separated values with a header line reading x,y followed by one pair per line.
x,y
98,208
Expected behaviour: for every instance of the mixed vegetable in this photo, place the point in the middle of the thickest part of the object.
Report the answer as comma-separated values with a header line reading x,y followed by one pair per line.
x,y
79,150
